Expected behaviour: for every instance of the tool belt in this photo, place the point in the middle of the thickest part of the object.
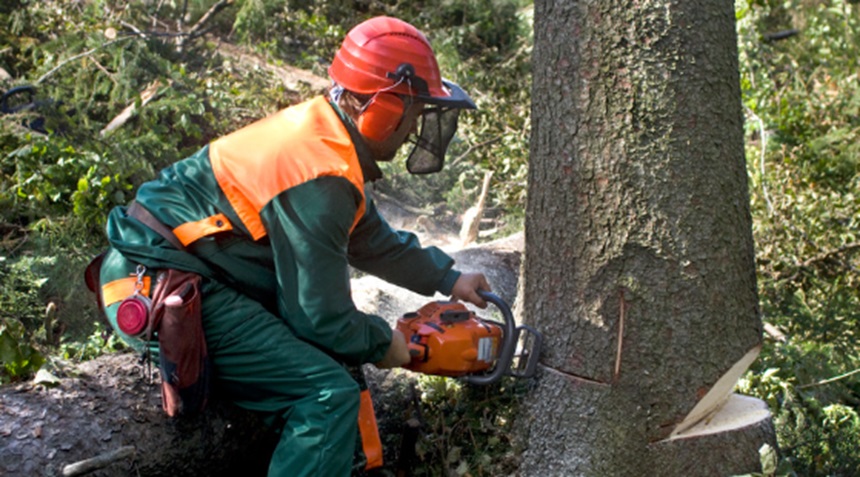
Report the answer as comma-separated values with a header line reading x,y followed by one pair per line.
x,y
172,313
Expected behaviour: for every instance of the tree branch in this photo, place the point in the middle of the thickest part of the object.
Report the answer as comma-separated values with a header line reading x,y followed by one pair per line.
x,y
774,332
79,56
146,96
821,257
105,71
476,146
780,35
182,16
763,136
135,29
830,380
194,32
100,461
847,248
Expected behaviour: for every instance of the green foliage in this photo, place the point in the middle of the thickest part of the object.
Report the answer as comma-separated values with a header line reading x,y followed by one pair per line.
x,y
51,177
801,97
771,465
21,280
815,438
99,342
19,358
88,62
467,429
20,316
306,34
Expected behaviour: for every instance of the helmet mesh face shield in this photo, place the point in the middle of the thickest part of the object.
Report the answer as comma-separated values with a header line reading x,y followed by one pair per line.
x,y
438,126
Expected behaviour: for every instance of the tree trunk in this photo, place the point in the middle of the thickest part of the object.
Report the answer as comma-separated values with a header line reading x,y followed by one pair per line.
x,y
639,264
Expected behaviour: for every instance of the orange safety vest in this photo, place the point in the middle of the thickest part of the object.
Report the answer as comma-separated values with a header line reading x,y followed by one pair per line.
x,y
260,161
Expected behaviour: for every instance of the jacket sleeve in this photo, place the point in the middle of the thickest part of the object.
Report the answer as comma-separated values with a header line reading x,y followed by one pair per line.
x,y
308,227
397,256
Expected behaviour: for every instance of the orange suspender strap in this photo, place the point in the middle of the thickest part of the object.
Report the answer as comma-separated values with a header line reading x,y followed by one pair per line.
x,y
123,288
370,442
189,232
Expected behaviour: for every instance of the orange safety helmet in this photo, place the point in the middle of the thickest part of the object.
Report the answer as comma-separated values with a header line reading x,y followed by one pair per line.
x,y
389,58
388,54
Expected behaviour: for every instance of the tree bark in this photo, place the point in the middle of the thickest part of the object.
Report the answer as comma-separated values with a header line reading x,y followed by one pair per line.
x,y
639,264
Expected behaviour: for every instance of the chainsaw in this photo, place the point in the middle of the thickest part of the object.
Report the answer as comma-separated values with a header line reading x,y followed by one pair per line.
x,y
447,339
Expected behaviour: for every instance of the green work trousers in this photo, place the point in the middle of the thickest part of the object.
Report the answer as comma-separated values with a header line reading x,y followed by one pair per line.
x,y
260,365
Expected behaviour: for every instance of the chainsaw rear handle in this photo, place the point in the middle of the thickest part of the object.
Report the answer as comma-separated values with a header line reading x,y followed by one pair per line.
x,y
509,343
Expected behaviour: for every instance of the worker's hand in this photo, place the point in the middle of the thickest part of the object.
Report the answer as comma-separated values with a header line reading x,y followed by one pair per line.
x,y
466,288
397,354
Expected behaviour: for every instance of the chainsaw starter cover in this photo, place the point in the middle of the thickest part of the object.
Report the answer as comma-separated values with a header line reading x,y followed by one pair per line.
x,y
447,339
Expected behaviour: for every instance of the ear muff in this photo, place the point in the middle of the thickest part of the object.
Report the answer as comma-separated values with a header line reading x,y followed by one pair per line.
x,y
381,116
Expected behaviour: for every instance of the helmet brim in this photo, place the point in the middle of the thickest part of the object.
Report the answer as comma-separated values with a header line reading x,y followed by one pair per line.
x,y
457,98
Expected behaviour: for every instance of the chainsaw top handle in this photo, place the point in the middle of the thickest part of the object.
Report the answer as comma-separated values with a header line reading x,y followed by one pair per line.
x,y
509,343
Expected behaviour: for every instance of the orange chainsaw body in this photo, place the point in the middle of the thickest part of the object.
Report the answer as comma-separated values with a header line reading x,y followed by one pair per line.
x,y
447,339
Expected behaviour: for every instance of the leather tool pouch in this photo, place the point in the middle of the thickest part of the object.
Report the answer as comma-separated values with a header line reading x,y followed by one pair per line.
x,y
176,320
183,358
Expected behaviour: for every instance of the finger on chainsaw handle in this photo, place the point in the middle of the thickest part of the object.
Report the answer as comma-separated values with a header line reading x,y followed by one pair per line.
x,y
397,354
466,288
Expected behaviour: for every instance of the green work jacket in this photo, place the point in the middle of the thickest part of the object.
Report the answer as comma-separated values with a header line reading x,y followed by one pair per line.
x,y
286,243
